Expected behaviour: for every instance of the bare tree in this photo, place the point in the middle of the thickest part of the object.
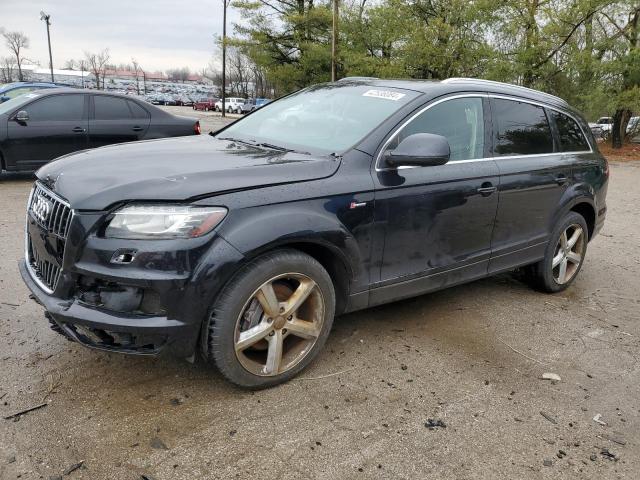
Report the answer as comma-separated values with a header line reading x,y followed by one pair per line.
x,y
97,63
7,66
179,74
17,42
239,72
136,66
70,64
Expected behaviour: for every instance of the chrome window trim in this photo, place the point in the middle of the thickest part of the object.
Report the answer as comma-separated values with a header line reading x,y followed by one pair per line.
x,y
32,273
484,159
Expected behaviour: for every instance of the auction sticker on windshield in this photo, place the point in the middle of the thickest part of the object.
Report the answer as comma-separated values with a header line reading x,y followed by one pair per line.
x,y
386,94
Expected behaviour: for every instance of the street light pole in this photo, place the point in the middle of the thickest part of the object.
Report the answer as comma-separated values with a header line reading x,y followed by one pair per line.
x,y
224,55
47,20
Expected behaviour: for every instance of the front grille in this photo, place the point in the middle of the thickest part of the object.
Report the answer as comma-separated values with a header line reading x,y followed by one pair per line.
x,y
52,214
50,211
45,271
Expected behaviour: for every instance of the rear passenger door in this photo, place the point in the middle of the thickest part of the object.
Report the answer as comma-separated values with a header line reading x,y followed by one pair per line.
x,y
534,175
116,120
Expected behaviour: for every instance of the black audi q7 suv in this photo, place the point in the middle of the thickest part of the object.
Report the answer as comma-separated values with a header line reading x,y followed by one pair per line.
x,y
245,244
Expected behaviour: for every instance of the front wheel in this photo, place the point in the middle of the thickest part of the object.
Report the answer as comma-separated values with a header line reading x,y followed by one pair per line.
x,y
564,255
271,319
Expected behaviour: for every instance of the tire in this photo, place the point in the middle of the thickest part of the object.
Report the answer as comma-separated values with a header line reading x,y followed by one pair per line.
x,y
240,308
549,278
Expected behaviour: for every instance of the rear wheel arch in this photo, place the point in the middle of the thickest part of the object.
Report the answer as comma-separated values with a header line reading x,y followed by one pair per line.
x,y
588,212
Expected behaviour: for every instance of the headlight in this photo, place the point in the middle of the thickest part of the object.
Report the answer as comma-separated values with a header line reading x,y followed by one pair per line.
x,y
163,221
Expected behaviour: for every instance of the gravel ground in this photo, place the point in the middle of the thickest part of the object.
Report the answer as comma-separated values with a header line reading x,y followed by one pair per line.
x,y
470,357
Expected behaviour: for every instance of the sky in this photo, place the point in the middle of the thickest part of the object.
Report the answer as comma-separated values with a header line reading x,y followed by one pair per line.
x,y
159,34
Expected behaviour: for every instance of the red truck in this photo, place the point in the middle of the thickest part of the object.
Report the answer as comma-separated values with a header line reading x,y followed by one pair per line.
x,y
205,104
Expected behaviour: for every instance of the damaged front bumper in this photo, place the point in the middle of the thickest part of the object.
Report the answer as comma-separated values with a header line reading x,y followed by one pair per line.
x,y
122,332
156,304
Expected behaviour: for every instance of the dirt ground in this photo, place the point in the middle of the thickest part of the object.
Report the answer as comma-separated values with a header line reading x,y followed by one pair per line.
x,y
470,357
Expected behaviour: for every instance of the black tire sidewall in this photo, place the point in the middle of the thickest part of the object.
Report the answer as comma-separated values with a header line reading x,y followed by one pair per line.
x,y
229,304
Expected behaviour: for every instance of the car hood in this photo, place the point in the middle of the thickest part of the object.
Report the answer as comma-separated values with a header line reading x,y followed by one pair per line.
x,y
175,169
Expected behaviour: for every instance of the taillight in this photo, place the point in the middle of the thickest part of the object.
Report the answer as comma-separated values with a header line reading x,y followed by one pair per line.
x,y
196,128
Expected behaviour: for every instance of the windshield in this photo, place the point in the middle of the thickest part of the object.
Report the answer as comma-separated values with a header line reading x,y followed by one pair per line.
x,y
326,118
16,102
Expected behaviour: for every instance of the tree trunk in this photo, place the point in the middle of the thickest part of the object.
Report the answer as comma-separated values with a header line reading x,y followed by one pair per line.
x,y
620,122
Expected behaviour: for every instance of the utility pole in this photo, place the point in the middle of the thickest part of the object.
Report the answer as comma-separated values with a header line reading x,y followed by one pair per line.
x,y
47,19
224,55
334,43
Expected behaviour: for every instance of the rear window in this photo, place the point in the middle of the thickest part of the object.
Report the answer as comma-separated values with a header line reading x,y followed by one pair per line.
x,y
569,133
137,110
520,129
111,108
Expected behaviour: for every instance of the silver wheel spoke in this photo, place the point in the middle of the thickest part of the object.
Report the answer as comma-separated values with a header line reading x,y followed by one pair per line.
x,y
274,314
303,291
563,271
563,240
557,259
574,257
274,354
268,300
253,335
574,238
302,328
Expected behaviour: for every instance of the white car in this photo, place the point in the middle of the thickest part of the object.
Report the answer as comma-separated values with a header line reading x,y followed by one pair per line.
x,y
602,127
633,129
232,104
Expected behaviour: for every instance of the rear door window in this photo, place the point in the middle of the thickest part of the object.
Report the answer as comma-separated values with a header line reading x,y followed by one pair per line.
x,y
111,108
569,133
520,128
138,111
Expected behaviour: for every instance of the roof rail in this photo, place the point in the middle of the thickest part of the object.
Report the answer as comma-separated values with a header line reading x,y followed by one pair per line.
x,y
347,79
503,84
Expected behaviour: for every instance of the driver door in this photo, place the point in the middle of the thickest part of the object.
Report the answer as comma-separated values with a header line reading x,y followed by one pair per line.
x,y
57,125
437,221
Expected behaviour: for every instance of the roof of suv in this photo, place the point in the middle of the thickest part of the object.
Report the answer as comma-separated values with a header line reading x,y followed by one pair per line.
x,y
441,87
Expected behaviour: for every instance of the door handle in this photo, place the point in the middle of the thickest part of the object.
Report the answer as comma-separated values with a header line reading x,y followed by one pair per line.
x,y
561,179
137,129
486,189
79,130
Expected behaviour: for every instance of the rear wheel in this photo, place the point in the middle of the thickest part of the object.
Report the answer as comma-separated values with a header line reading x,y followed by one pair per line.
x,y
271,320
564,255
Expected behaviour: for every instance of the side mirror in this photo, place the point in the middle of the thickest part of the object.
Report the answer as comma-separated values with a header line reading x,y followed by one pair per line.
x,y
21,117
420,150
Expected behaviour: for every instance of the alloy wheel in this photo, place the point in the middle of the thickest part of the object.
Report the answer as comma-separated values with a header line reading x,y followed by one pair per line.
x,y
279,324
568,254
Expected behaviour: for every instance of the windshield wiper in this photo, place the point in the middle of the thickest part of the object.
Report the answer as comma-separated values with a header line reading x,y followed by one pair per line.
x,y
231,139
274,147
263,145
